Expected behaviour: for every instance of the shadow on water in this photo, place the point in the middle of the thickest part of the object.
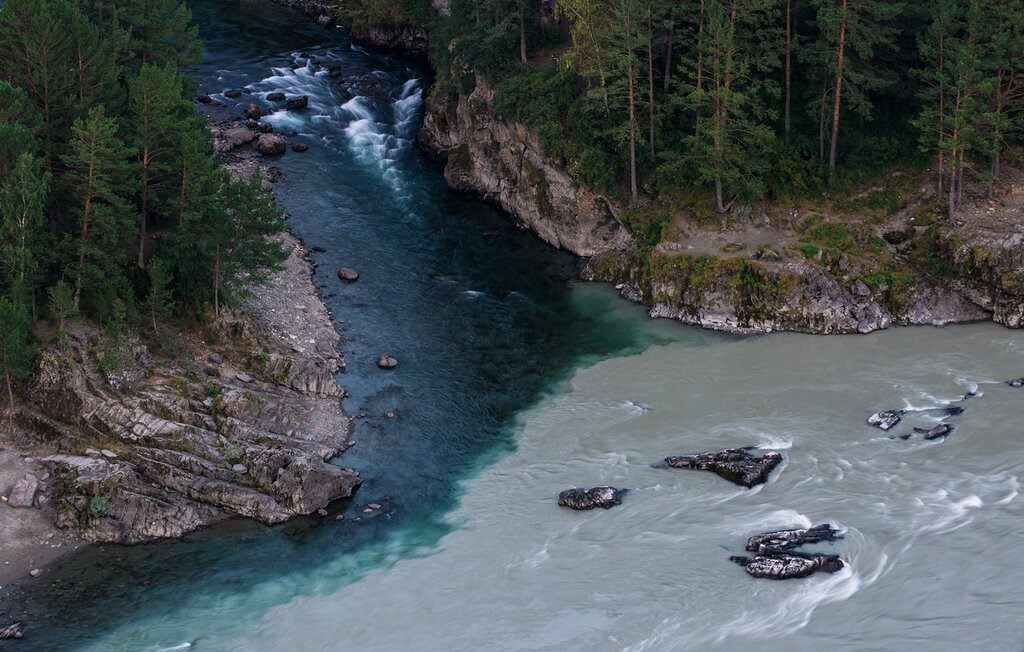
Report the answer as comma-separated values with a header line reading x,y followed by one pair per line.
x,y
483,318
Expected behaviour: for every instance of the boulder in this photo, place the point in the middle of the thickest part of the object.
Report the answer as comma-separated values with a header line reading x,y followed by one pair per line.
x,y
885,420
584,499
23,493
290,133
323,20
271,145
1016,382
387,362
786,566
243,377
899,236
777,559
216,358
736,465
935,432
234,92
348,274
783,540
276,96
299,147
297,103
239,469
238,136
14,630
203,98
264,127
252,112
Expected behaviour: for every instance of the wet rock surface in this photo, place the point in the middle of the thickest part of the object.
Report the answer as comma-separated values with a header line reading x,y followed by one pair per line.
x,y
737,465
584,499
886,420
777,557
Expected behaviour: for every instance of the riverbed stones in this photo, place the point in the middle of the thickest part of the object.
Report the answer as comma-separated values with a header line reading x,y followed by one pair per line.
x,y
276,96
252,111
12,631
264,127
238,136
271,145
299,147
203,98
387,362
776,556
23,493
885,420
584,499
1016,382
348,274
297,103
234,93
737,465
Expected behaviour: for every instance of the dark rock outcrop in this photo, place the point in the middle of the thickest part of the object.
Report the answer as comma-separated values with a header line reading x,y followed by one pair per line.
x,y
387,362
252,112
937,431
506,164
787,566
736,465
297,103
275,96
583,499
1016,382
776,556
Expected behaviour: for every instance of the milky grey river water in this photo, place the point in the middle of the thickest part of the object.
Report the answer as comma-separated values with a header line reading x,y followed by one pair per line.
x,y
517,382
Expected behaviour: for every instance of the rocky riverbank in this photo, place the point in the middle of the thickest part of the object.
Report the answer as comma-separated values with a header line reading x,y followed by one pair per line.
x,y
125,440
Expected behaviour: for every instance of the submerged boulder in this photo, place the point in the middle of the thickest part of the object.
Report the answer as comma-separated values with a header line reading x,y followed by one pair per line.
x,y
276,96
584,499
387,362
786,566
736,465
348,274
1016,382
885,420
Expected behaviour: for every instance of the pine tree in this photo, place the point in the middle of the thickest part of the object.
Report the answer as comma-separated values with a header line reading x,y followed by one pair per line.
x,y
20,122
852,32
237,238
96,171
1004,66
158,109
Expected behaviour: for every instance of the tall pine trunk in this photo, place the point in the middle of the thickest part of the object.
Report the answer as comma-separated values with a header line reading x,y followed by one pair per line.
x,y
789,64
668,54
143,208
84,238
837,100
522,33
631,81
650,76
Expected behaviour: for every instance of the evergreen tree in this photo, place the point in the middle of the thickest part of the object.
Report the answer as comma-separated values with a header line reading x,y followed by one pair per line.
x,y
16,352
96,171
20,122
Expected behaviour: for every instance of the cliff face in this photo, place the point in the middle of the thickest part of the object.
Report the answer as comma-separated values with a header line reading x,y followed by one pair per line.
x,y
242,421
504,163
744,295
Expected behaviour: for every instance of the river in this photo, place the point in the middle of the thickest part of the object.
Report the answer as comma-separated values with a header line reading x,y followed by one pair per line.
x,y
515,382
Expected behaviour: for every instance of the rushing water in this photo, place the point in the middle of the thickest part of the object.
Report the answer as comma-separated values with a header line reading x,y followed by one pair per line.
x,y
515,383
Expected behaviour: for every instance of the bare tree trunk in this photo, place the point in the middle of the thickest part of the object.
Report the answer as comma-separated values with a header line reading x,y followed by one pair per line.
x,y
144,208
650,75
522,34
84,238
630,80
837,100
789,63
668,54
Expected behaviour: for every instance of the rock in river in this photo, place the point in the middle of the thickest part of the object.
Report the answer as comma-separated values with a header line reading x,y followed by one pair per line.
x,y
735,465
348,274
238,136
252,111
1016,382
387,362
935,432
297,103
590,498
271,145
782,540
786,566
13,630
299,147
276,96
776,558
885,420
